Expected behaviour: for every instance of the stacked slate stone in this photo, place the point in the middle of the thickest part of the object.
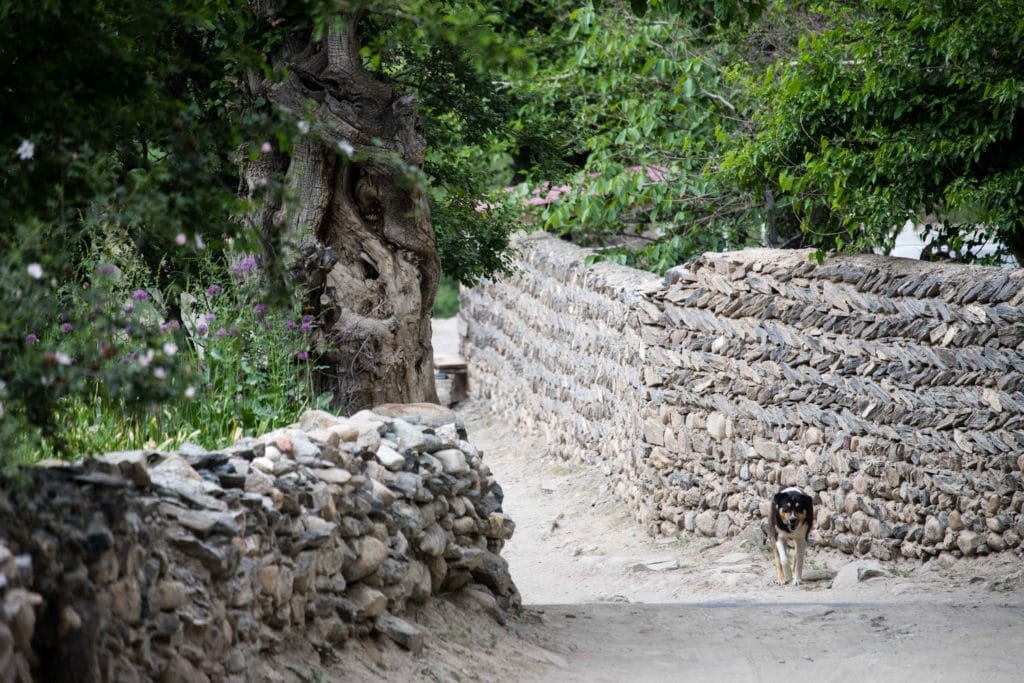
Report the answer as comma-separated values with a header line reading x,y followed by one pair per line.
x,y
556,347
142,565
890,389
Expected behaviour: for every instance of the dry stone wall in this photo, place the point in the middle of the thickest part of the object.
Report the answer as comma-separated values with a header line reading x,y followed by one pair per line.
x,y
891,390
201,566
557,346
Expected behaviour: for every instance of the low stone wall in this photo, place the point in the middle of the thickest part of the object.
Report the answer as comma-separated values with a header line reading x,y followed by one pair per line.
x,y
889,389
191,566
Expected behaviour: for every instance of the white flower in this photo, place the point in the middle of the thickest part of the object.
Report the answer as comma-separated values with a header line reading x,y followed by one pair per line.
x,y
159,373
146,358
26,150
267,147
190,392
345,147
180,239
200,244
303,126
62,358
170,348
35,270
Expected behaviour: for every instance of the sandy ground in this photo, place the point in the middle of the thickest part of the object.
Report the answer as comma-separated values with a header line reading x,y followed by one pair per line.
x,y
604,602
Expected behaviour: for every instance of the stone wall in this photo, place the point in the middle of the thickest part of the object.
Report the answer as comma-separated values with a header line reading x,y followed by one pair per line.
x,y
889,389
557,346
199,566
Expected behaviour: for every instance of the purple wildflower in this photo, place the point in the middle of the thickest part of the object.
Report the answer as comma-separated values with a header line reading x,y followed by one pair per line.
x,y
141,295
66,328
201,329
260,310
169,325
129,307
291,324
209,317
307,324
214,290
220,333
246,264
31,339
303,356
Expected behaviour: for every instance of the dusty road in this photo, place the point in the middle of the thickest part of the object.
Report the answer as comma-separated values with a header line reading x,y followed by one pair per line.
x,y
613,605
828,641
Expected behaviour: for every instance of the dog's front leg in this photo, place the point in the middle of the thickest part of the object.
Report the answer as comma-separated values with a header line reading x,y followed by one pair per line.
x,y
798,561
782,561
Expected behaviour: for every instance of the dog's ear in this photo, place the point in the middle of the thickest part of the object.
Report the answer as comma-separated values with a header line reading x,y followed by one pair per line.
x,y
779,499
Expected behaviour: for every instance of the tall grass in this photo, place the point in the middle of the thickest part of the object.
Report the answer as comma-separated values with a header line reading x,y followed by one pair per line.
x,y
233,365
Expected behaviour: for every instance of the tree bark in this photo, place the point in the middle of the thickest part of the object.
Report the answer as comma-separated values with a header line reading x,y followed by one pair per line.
x,y
365,246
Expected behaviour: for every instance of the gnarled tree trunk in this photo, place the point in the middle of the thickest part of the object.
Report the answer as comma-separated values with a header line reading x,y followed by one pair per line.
x,y
367,253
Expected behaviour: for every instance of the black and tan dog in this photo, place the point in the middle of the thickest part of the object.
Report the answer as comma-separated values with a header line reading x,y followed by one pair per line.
x,y
791,518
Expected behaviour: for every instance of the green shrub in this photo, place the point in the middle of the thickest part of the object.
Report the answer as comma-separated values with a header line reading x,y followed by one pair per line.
x,y
228,364
446,305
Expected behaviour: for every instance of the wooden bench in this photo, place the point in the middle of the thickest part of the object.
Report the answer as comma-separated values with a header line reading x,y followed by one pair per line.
x,y
451,378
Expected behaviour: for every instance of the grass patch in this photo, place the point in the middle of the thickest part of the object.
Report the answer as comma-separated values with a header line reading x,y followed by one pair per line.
x,y
446,305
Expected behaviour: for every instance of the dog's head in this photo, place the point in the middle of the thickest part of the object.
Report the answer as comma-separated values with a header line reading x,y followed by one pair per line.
x,y
793,507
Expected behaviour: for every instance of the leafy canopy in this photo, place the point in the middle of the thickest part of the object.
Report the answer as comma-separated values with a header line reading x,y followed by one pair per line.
x,y
648,104
122,124
901,110
710,125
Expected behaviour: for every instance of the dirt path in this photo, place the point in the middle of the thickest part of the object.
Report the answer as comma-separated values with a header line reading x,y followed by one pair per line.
x,y
606,603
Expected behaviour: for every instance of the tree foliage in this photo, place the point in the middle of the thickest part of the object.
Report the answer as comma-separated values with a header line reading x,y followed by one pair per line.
x,y
649,102
118,125
123,124
787,124
707,15
900,110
